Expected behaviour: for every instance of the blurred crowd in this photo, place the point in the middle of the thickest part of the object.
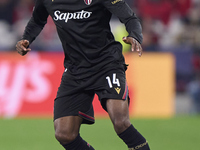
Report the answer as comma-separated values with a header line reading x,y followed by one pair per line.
x,y
173,26
168,26
14,16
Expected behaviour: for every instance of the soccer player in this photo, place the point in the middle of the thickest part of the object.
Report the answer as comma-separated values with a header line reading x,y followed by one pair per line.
x,y
93,63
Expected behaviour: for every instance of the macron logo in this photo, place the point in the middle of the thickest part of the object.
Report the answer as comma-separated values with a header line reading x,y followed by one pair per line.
x,y
67,16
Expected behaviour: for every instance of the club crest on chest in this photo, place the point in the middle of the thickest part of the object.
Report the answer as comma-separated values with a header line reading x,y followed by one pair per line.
x,y
88,2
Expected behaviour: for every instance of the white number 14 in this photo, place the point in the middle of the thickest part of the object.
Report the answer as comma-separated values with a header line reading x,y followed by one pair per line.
x,y
115,80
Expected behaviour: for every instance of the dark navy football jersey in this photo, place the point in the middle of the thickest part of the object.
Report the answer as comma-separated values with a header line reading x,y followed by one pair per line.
x,y
84,30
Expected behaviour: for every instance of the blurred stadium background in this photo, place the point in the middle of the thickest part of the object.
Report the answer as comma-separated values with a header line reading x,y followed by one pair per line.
x,y
164,83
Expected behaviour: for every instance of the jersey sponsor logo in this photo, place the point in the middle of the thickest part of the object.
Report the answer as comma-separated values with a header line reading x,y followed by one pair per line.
x,y
115,1
67,16
88,2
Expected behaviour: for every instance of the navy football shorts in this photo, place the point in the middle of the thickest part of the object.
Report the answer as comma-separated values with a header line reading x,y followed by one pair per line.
x,y
75,96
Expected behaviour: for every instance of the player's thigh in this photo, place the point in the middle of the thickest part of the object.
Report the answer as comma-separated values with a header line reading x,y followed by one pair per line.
x,y
68,123
117,109
67,128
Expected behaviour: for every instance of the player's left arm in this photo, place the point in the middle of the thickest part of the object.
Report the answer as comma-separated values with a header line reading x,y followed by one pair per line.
x,y
126,15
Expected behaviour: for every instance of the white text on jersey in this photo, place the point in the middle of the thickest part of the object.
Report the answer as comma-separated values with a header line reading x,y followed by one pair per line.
x,y
67,16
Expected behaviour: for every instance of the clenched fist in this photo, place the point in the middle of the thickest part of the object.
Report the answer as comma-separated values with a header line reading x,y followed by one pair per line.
x,y
22,47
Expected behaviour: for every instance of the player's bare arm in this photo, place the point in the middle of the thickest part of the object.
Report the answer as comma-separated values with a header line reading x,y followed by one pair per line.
x,y
136,46
22,47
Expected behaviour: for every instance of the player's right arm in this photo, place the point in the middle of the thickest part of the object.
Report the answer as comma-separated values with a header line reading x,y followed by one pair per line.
x,y
33,28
